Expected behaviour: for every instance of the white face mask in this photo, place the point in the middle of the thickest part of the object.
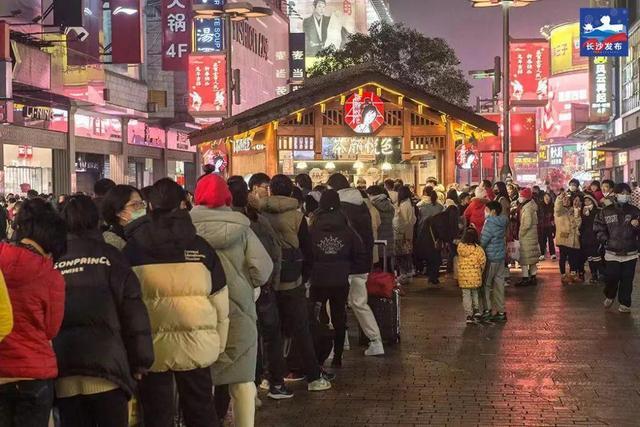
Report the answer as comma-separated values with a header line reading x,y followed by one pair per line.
x,y
622,198
521,200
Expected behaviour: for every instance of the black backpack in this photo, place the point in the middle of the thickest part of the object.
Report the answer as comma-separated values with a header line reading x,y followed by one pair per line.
x,y
292,259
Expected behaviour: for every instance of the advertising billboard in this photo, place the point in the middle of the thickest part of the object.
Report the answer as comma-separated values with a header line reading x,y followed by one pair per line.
x,y
364,113
140,133
126,40
207,84
326,23
89,126
177,140
565,49
564,91
601,88
176,34
604,32
529,65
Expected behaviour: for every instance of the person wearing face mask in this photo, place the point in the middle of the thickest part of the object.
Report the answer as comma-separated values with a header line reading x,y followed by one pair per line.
x,y
618,227
568,221
121,206
589,245
528,237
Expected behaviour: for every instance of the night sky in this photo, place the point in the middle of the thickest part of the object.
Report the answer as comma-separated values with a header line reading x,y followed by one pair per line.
x,y
476,34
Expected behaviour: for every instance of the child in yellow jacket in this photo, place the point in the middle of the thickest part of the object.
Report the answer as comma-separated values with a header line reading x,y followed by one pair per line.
x,y
6,315
471,262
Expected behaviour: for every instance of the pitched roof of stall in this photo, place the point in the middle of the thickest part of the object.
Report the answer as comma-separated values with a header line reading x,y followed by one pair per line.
x,y
320,88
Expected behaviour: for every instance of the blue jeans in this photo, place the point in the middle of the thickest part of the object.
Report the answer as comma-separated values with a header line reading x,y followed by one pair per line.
x,y
26,403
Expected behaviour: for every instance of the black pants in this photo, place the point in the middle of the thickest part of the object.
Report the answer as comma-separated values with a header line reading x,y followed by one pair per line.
x,y
545,237
295,321
270,344
619,280
222,400
337,297
195,397
573,256
434,260
26,403
109,409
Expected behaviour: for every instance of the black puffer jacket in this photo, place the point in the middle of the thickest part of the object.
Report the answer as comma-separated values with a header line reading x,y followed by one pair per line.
x,y
355,209
336,248
613,228
588,240
106,331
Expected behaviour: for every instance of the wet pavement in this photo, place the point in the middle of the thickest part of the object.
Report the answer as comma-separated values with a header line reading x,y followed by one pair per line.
x,y
560,360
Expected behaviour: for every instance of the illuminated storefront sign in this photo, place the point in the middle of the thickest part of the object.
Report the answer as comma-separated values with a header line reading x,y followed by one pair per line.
x,y
140,133
215,153
296,57
177,140
601,95
362,148
176,34
529,62
557,116
208,35
126,40
565,49
364,113
207,84
604,32
107,129
246,145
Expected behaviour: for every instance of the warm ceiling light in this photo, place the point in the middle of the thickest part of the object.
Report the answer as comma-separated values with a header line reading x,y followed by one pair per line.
x,y
386,166
240,7
302,165
207,9
358,165
259,12
330,166
505,3
237,18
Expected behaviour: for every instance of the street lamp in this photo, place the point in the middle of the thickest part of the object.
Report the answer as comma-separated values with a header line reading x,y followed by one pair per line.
x,y
235,12
506,78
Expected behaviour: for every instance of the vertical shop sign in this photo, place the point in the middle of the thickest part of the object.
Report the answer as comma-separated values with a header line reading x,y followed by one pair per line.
x,y
176,34
529,64
601,94
296,57
208,35
126,39
207,84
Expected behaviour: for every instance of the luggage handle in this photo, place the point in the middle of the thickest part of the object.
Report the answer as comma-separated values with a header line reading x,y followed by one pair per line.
x,y
384,244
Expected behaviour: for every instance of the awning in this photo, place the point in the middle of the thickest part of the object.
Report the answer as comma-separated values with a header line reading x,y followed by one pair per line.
x,y
625,141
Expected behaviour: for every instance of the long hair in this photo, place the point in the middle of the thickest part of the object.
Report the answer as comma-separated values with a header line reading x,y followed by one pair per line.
x,y
404,193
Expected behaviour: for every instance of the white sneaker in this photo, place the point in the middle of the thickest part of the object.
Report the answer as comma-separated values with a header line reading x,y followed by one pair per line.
x,y
608,302
624,309
264,385
554,257
542,258
347,346
319,385
375,349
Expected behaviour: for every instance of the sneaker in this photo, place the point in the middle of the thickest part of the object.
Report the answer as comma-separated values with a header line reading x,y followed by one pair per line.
x,y
329,376
541,258
499,317
319,385
624,309
554,257
608,302
292,377
375,349
470,320
264,385
593,281
347,346
477,316
564,279
278,392
486,316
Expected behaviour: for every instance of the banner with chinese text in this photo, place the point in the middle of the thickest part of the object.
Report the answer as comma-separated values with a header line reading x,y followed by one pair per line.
x,y
529,65
207,84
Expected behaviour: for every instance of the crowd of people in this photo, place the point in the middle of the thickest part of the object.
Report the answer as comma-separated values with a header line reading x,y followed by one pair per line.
x,y
158,293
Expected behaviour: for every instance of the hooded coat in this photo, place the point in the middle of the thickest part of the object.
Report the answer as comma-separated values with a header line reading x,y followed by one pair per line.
x,y
588,238
355,209
493,238
386,209
471,261
567,225
528,233
185,291
474,213
102,297
247,266
37,295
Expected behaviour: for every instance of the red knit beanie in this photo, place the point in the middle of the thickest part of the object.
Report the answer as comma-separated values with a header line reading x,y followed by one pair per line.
x,y
212,191
526,193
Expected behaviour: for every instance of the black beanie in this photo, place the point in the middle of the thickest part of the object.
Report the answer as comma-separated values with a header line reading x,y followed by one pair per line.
x,y
338,182
330,200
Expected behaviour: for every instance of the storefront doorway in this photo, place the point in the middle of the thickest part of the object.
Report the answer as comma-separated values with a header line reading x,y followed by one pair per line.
x,y
27,168
140,172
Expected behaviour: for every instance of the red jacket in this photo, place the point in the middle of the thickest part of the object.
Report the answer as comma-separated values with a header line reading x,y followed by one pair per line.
x,y
475,213
36,291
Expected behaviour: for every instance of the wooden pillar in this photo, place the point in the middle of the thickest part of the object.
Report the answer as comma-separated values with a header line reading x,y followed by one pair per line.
x,y
406,133
271,150
449,164
317,129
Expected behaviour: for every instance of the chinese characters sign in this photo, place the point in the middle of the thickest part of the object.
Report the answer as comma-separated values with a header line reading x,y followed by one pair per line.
x,y
565,49
604,32
557,117
601,79
207,84
209,35
176,36
364,113
529,64
177,140
140,133
362,148
296,57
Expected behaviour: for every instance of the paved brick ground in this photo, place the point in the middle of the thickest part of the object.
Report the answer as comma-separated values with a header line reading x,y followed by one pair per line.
x,y
560,360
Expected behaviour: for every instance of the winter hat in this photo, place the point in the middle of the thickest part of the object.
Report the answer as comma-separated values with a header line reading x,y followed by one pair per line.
x,y
212,191
593,199
526,193
330,200
481,192
338,182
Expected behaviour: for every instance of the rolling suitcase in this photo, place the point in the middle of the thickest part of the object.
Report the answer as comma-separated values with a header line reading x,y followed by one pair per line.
x,y
385,310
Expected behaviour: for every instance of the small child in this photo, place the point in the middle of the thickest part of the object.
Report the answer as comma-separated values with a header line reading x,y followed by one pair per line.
x,y
471,260
492,240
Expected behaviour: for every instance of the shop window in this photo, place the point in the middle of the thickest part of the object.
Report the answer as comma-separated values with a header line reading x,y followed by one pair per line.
x,y
393,117
333,118
158,97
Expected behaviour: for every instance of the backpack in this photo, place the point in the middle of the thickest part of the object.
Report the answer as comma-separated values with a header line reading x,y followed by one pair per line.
x,y
292,259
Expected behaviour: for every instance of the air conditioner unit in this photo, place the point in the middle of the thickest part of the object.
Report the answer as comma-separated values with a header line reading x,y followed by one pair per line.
x,y
152,107
106,94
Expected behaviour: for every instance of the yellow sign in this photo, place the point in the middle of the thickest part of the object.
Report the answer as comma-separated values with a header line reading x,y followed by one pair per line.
x,y
565,50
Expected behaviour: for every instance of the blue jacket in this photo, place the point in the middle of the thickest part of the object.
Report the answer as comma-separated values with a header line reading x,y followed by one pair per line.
x,y
492,239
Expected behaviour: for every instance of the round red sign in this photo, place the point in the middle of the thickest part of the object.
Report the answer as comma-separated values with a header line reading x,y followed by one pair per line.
x,y
364,113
